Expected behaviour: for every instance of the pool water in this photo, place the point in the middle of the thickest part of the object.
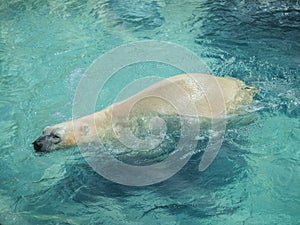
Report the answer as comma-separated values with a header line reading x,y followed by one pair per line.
x,y
45,47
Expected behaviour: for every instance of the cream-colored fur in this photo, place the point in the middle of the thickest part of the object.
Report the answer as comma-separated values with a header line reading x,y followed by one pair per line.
x,y
193,95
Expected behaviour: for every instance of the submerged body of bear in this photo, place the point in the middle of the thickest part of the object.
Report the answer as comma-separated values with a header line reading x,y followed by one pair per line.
x,y
199,96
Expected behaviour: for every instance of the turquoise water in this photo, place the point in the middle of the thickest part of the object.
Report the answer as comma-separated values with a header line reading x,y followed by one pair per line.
x,y
45,47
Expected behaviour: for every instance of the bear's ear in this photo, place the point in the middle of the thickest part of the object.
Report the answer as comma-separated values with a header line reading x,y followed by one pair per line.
x,y
84,129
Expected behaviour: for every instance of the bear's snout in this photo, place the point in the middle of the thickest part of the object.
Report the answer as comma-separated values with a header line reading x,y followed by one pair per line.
x,y
39,144
46,142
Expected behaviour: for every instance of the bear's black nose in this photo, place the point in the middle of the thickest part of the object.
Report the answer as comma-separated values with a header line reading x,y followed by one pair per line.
x,y
37,145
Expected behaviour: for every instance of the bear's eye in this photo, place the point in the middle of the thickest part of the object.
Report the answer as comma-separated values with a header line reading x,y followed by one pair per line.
x,y
56,136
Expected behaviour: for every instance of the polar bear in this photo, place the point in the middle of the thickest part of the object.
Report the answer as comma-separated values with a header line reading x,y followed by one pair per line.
x,y
201,96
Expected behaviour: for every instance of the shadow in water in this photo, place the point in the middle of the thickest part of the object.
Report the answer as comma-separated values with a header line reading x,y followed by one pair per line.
x,y
189,192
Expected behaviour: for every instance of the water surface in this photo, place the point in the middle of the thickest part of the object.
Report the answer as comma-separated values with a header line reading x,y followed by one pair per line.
x,y
45,47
